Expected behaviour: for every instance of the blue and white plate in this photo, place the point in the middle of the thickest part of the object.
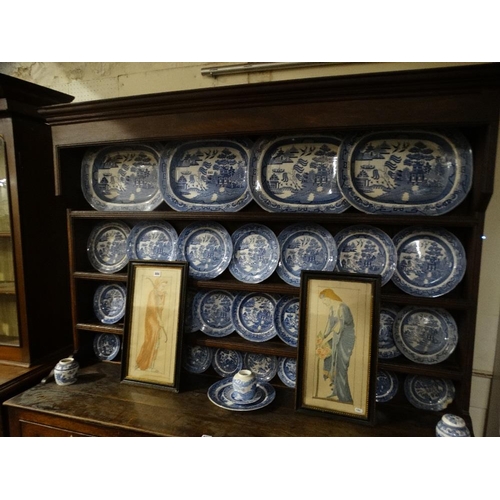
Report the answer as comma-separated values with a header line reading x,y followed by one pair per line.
x,y
296,174
427,393
256,253
197,359
227,362
107,346
424,334
287,371
152,241
221,394
387,349
206,176
413,172
207,247
107,246
109,302
286,320
263,366
430,261
253,316
213,310
123,178
305,247
387,386
365,249
191,318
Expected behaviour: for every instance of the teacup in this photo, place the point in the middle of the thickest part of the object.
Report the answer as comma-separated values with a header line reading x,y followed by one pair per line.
x,y
244,385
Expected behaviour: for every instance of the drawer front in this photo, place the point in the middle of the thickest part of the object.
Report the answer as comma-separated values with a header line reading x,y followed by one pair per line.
x,y
31,429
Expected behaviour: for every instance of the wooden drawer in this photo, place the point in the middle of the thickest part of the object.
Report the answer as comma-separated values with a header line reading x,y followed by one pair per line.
x,y
31,429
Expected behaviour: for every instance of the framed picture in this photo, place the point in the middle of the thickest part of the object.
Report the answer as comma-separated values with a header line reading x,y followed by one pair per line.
x,y
337,347
153,324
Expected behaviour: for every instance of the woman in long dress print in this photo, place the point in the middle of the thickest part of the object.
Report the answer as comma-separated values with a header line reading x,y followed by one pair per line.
x,y
334,347
153,325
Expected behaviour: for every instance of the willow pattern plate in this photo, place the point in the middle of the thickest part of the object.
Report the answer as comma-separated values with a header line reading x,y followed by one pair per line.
x,y
197,359
287,371
227,362
305,247
264,367
427,393
255,253
387,386
209,175
405,172
430,261
152,241
296,174
424,334
207,247
109,302
387,349
213,310
107,346
107,246
286,320
253,316
123,178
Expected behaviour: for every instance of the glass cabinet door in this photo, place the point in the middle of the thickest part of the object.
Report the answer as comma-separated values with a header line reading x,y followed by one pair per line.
x,y
9,331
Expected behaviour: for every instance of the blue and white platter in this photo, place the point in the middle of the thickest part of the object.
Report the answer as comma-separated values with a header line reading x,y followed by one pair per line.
x,y
287,371
107,346
253,316
430,261
365,249
286,320
305,247
386,387
413,172
213,308
207,247
227,362
425,335
191,318
197,359
107,246
221,394
387,349
122,178
206,176
296,174
256,253
263,366
152,241
427,393
109,302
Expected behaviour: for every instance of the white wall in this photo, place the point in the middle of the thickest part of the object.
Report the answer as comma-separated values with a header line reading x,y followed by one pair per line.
x,y
89,81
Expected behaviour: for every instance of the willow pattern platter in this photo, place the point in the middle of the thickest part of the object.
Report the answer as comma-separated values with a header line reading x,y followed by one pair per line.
x,y
424,334
227,362
405,172
109,302
221,394
386,387
264,367
387,349
107,346
255,253
287,371
427,393
209,175
124,178
296,174
305,247
253,316
286,320
207,247
365,249
152,241
213,310
430,261
107,246
197,359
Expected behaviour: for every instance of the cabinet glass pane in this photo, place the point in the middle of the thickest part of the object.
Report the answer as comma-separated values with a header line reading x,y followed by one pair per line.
x,y
9,331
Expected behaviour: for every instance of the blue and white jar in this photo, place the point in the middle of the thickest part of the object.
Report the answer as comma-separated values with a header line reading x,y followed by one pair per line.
x,y
65,371
452,426
244,385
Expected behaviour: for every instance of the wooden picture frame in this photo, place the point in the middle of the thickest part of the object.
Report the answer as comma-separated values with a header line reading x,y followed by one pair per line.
x,y
154,318
338,344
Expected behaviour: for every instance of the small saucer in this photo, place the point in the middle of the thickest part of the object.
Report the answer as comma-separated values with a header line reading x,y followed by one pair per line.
x,y
221,394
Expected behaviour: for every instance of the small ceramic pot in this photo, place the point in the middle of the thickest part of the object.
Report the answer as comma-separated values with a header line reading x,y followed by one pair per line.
x,y
65,371
244,385
452,426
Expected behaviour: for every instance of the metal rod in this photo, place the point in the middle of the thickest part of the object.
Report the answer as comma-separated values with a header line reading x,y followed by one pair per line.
x,y
250,67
